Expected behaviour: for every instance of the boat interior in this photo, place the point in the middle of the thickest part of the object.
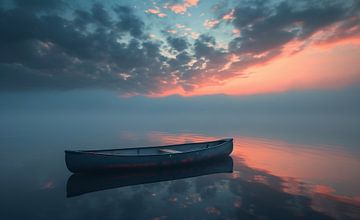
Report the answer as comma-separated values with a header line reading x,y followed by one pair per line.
x,y
159,150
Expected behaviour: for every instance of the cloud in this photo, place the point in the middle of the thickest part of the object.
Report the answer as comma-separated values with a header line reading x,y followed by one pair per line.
x,y
185,31
100,14
156,11
39,4
108,46
211,23
264,28
223,17
229,15
181,8
51,52
171,31
128,21
178,44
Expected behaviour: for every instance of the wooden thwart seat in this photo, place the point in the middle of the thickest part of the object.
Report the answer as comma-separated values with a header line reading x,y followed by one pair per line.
x,y
169,151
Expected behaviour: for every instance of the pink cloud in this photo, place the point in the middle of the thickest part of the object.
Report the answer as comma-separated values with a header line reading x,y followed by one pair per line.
x,y
155,11
211,23
236,31
181,8
194,35
161,15
171,31
229,16
192,2
183,30
180,26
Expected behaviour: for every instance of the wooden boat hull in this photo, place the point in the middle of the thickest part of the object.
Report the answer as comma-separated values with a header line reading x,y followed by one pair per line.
x,y
94,161
81,183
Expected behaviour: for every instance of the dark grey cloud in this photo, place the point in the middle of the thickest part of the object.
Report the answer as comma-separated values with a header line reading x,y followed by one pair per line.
x,y
177,43
129,22
107,47
49,51
265,26
100,14
210,58
39,4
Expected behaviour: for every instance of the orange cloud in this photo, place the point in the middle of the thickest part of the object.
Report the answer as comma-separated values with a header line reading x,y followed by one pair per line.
x,y
182,8
161,15
229,16
315,67
236,31
194,35
155,11
211,23
338,32
232,58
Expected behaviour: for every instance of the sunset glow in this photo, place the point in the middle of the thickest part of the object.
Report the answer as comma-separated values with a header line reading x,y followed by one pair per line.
x,y
313,68
185,47
103,104
287,160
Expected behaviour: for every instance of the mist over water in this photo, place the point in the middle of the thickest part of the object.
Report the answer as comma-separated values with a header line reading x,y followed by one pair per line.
x,y
296,155
79,75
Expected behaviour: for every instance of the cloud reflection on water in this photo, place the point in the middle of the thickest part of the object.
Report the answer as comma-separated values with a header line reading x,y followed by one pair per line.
x,y
254,190
303,170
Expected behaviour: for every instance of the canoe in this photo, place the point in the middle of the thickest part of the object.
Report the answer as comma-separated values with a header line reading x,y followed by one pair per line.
x,y
81,183
145,157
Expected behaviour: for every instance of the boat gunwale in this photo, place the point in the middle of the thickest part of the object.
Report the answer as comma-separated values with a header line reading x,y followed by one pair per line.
x,y
99,152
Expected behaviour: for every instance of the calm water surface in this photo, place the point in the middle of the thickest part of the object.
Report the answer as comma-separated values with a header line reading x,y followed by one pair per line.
x,y
275,175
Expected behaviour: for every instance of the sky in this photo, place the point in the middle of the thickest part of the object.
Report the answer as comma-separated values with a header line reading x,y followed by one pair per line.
x,y
179,47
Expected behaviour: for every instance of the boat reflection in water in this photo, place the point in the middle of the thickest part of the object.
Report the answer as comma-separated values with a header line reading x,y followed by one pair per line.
x,y
81,183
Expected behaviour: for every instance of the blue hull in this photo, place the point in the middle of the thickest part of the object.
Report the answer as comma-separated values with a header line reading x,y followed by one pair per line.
x,y
100,160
